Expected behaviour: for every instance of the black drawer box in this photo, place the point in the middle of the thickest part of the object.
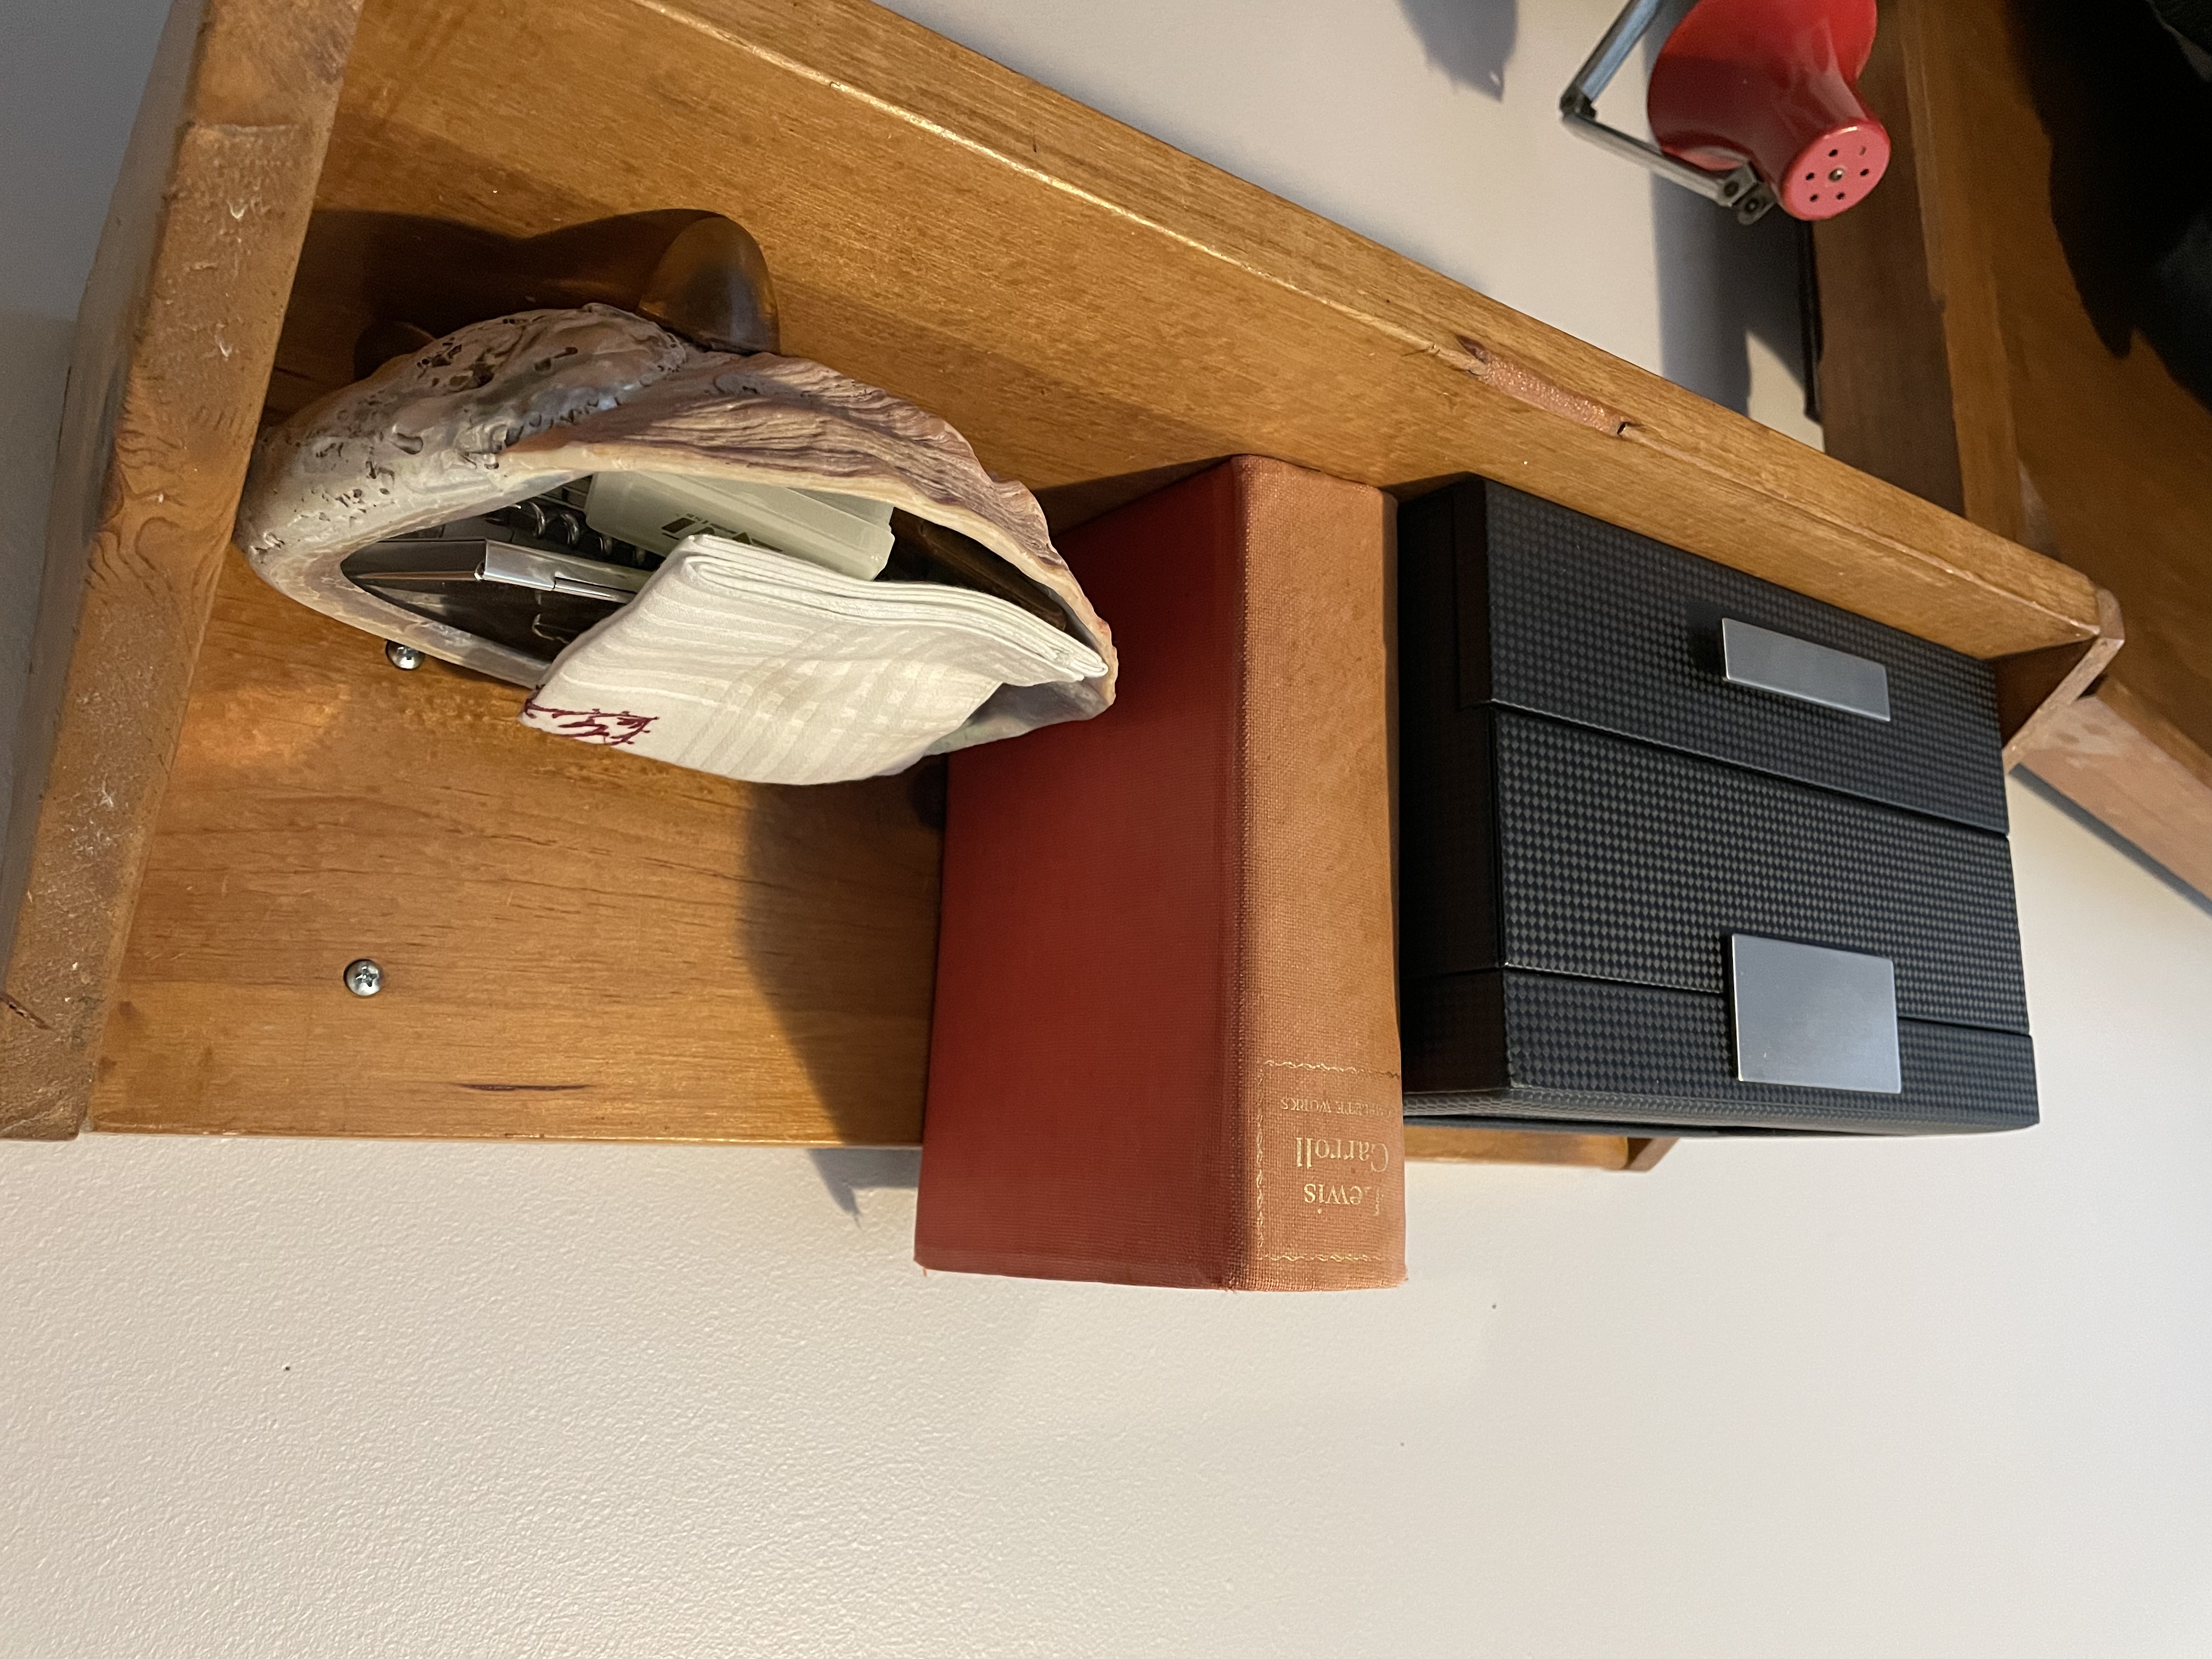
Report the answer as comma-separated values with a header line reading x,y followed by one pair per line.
x,y
1561,614
1529,843
1583,1053
1644,885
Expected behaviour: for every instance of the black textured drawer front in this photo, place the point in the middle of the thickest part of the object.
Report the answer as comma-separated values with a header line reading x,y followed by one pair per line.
x,y
1566,616
1589,810
1618,861
1532,1046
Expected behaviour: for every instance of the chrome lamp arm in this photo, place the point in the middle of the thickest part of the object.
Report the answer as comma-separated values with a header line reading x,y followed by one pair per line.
x,y
1742,189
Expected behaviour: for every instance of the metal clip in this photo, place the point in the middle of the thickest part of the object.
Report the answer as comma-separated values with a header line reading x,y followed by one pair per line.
x,y
1742,189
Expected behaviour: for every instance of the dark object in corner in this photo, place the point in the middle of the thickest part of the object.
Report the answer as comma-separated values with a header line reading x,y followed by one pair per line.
x,y
2191,23
712,286
2129,121
698,274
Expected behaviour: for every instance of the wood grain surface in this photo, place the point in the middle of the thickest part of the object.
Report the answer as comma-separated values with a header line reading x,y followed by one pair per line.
x,y
1085,303
575,942
2036,688
175,340
607,949
2059,422
1432,1143
2123,763
575,948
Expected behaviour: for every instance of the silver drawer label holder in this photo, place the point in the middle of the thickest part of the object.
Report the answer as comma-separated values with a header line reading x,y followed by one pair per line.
x,y
1813,1018
1768,661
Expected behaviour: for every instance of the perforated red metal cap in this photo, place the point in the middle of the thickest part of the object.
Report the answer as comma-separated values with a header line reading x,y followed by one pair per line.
x,y
1774,83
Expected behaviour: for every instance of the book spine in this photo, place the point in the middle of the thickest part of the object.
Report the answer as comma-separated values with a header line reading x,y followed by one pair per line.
x,y
1320,1102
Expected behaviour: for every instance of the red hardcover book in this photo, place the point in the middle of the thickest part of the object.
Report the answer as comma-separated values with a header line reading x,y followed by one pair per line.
x,y
1165,1047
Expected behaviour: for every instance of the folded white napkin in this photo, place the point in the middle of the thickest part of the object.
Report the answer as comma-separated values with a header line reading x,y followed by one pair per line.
x,y
754,664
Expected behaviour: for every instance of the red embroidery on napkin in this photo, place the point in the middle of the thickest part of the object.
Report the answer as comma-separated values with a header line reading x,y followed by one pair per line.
x,y
613,727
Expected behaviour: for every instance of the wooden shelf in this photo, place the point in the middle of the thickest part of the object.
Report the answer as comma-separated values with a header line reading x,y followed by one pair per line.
x,y
579,943
1962,363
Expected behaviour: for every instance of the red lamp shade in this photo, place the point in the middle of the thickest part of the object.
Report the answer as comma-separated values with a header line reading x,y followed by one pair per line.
x,y
1773,82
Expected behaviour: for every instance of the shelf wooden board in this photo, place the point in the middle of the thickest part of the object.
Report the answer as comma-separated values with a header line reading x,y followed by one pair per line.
x,y
1963,362
575,942
581,945
174,338
1094,310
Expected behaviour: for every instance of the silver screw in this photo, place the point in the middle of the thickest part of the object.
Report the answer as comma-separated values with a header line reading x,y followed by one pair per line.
x,y
363,977
401,656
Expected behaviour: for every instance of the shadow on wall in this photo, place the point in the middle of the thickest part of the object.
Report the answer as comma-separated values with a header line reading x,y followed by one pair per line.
x,y
848,1171
1470,40
2111,838
2121,105
1721,286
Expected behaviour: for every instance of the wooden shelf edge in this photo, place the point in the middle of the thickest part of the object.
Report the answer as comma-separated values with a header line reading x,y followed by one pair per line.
x,y
1602,421
1431,1143
2036,688
2121,762
1425,1144
182,317
175,340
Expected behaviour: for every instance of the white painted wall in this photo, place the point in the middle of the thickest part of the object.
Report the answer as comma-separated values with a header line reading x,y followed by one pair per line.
x,y
263,1399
